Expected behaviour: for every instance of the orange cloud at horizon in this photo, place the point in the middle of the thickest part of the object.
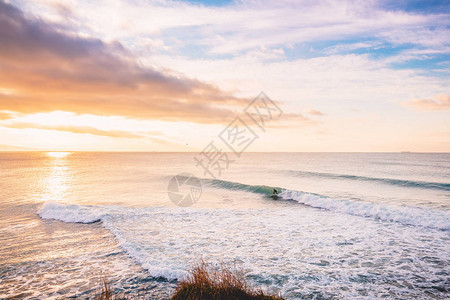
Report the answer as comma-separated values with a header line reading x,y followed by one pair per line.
x,y
47,70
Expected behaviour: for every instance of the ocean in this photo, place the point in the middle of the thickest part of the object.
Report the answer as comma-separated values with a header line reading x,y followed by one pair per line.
x,y
343,226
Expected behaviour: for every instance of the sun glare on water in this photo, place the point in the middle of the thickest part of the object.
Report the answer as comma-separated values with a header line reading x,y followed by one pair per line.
x,y
58,154
58,177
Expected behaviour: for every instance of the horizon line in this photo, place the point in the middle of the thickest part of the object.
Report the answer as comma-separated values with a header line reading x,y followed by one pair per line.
x,y
144,151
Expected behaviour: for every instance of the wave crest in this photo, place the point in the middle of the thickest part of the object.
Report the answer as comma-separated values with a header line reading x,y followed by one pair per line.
x,y
69,213
406,215
390,181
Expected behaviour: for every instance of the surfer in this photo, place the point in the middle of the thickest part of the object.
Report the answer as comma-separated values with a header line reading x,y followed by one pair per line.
x,y
275,192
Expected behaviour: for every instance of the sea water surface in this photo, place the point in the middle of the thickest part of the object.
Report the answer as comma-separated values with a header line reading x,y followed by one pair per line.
x,y
345,226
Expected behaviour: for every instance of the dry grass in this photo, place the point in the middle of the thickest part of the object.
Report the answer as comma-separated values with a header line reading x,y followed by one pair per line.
x,y
106,293
205,282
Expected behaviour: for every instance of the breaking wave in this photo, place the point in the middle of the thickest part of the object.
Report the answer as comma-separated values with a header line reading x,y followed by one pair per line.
x,y
406,215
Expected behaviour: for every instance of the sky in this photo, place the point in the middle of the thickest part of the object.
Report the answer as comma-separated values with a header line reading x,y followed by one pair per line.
x,y
143,75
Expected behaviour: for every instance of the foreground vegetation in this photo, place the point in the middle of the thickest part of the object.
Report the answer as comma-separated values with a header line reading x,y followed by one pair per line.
x,y
205,282
106,293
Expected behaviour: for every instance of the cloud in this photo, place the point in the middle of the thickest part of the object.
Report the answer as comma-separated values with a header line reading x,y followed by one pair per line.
x,y
441,102
340,48
287,120
314,112
50,69
6,115
326,53
76,129
248,25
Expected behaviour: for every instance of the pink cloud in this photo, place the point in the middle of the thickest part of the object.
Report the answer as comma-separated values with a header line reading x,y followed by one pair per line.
x,y
314,112
440,102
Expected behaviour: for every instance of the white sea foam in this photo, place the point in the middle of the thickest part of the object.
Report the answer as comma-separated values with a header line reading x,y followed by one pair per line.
x,y
167,241
426,217
70,213
406,215
121,222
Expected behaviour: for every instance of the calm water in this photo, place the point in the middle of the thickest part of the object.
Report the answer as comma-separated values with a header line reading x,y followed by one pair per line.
x,y
348,225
